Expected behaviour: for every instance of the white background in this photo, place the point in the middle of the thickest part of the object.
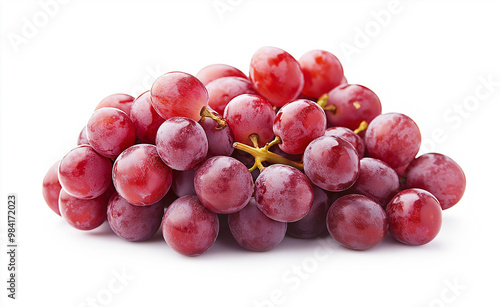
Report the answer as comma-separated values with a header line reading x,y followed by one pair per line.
x,y
423,58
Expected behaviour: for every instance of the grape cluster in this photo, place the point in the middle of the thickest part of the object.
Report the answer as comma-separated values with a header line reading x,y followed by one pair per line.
x,y
291,149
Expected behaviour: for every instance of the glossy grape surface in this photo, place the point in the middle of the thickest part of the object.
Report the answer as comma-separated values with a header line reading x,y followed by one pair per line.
x,y
283,193
357,222
276,75
377,180
83,214
250,114
189,227
351,137
145,118
140,176
51,188
216,71
84,173
353,104
222,90
119,101
183,182
322,72
178,94
298,123
110,131
181,143
393,138
223,184
331,163
439,175
133,223
414,217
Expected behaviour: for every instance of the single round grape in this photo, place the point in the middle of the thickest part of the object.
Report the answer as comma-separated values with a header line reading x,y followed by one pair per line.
x,y
84,173
133,223
351,137
331,163
83,214
223,184
181,143
183,182
314,223
377,180
140,176
222,90
82,137
119,101
393,138
177,94
51,188
353,104
439,175
357,222
188,227
414,217
276,75
283,193
250,114
145,118
253,230
322,72
298,123
216,71
110,131
220,141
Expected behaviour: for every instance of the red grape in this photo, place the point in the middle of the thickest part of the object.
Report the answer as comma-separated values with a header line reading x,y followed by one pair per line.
x,y
215,71
297,124
393,138
181,143
439,175
140,176
133,223
414,217
119,101
314,223
51,188
222,90
183,182
322,72
357,222
110,131
188,227
83,173
283,193
352,104
331,163
351,137
220,141
179,94
276,75
250,114
377,180
253,230
83,214
82,137
145,118
223,184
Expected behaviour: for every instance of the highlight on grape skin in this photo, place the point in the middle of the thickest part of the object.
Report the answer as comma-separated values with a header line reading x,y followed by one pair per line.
x,y
292,150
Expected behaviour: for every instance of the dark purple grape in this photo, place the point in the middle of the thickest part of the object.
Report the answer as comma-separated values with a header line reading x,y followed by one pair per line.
x,y
314,223
253,230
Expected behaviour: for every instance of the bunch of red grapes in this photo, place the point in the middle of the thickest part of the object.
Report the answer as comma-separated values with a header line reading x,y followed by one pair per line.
x,y
291,149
